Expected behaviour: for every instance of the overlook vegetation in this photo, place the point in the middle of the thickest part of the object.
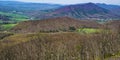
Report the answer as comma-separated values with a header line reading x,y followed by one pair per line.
x,y
59,46
85,42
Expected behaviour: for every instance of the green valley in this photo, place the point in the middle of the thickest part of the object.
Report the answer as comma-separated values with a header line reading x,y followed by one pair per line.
x,y
15,17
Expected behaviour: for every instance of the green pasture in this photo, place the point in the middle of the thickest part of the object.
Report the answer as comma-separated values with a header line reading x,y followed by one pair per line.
x,y
15,17
7,26
88,30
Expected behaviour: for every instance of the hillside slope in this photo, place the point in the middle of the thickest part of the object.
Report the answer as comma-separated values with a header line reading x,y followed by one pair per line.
x,y
45,10
83,11
60,46
21,6
29,9
114,25
53,24
113,8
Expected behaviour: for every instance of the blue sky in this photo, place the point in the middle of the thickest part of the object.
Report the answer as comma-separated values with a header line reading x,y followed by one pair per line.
x,y
116,2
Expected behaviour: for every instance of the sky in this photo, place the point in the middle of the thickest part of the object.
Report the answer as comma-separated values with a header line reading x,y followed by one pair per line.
x,y
115,2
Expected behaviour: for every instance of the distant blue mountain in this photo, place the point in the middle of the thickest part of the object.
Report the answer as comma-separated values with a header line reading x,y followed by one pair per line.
x,y
22,6
112,8
46,10
108,6
83,11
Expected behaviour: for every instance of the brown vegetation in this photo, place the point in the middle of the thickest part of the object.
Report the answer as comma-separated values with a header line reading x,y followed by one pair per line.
x,y
113,25
60,46
53,25
3,35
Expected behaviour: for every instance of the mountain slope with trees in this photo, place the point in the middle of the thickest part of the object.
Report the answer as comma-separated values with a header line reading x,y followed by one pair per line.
x,y
54,25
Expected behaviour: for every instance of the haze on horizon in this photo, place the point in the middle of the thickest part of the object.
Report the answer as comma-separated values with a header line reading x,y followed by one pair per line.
x,y
115,2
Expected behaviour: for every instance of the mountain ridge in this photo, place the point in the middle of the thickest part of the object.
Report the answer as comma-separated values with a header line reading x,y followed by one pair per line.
x,y
21,6
112,8
83,11
44,11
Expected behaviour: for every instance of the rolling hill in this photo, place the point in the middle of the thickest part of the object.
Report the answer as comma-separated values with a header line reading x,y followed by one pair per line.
x,y
53,25
112,8
46,10
83,11
26,9
23,6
